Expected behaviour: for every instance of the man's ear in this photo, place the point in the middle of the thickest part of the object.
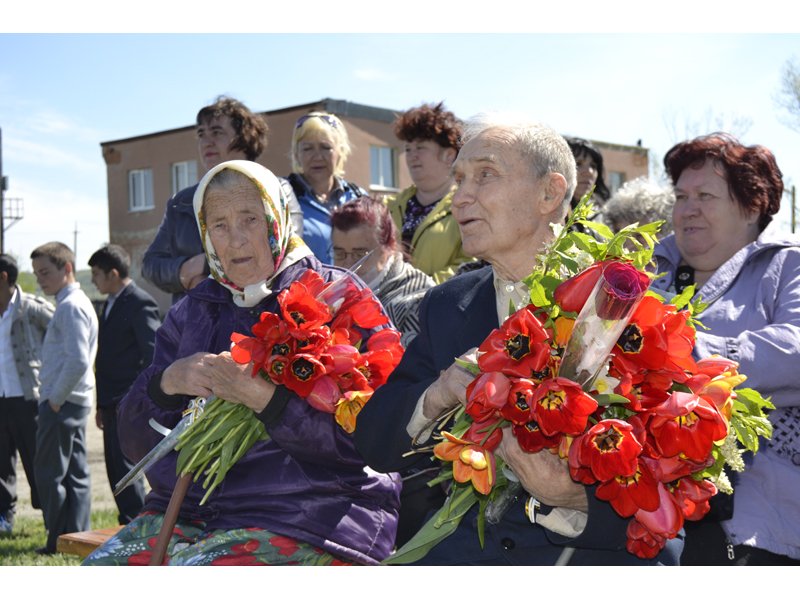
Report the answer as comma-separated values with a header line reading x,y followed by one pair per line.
x,y
69,268
450,155
554,192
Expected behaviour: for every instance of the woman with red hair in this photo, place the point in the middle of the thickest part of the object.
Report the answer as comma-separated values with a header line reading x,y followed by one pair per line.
x,y
364,227
725,196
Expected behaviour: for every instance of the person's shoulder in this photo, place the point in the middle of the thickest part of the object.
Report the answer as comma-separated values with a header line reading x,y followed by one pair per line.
x,y
142,295
36,302
184,196
459,285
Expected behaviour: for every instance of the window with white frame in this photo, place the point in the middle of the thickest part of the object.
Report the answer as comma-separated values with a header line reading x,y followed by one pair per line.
x,y
184,174
381,163
615,181
140,189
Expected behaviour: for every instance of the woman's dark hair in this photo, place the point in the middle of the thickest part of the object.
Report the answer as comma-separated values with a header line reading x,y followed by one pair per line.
x,y
112,256
429,122
251,129
579,147
753,176
367,211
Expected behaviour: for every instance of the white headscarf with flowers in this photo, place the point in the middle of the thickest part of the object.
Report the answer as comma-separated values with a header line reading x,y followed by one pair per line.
x,y
286,246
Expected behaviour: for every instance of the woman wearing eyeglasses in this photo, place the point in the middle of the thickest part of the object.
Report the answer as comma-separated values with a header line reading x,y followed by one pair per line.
x,y
364,226
320,147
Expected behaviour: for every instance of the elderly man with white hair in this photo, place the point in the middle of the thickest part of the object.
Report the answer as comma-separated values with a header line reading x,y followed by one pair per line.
x,y
515,178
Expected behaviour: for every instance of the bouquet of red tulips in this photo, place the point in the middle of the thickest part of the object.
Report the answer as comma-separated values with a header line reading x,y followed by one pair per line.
x,y
599,370
313,347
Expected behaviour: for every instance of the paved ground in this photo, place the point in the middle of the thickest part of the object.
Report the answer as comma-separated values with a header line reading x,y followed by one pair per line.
x,y
102,497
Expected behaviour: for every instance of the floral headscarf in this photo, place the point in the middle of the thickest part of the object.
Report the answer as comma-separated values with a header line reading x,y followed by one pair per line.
x,y
286,246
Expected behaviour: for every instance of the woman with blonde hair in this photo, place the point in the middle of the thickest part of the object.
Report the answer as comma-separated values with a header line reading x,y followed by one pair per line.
x,y
320,148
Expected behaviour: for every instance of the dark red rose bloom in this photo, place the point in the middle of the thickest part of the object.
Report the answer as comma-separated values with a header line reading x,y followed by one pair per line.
x,y
531,439
486,395
518,347
607,450
561,406
624,285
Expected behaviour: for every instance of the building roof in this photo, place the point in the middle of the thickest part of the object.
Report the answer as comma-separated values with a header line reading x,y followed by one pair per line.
x,y
341,108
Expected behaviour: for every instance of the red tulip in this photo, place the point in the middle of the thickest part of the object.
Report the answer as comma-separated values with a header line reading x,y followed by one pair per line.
x,y
607,450
486,395
517,348
688,425
519,406
629,494
573,293
561,406
531,439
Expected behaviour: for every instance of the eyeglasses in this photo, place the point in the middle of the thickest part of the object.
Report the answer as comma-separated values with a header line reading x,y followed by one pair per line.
x,y
357,254
330,120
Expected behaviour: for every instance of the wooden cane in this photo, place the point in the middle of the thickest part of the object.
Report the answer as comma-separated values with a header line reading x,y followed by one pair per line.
x,y
170,518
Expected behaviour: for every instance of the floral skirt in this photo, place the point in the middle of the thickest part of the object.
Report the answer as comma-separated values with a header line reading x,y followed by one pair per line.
x,y
191,544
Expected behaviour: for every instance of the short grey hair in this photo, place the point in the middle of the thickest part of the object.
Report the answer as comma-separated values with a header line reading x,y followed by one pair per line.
x,y
547,151
640,200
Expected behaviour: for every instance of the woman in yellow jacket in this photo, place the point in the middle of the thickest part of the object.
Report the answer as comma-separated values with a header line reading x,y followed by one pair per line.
x,y
430,234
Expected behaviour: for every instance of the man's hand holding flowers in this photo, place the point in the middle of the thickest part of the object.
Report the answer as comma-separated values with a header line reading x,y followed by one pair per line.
x,y
544,475
450,389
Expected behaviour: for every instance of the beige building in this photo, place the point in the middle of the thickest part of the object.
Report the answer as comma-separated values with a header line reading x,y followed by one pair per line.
x,y
145,171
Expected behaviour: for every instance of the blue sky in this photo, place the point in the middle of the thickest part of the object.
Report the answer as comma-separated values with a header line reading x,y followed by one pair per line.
x,y
61,95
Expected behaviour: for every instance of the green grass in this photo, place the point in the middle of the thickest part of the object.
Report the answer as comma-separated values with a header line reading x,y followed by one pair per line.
x,y
18,550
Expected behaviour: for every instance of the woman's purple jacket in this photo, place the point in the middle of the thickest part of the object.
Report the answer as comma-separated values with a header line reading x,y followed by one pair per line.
x,y
306,482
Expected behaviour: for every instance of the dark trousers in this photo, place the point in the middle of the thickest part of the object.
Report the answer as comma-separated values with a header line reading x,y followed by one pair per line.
x,y
707,544
62,470
17,434
131,499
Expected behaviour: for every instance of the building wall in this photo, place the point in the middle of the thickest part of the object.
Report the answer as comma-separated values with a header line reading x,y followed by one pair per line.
x,y
135,230
366,126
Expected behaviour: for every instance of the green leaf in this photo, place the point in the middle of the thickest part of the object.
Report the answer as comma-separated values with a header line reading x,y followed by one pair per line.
x,y
538,294
608,399
600,228
468,366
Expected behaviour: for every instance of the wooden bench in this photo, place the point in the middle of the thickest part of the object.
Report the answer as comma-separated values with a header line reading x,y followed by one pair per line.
x,y
83,543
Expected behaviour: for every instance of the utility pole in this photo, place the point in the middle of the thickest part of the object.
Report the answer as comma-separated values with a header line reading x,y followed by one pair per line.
x,y
794,209
2,198
75,243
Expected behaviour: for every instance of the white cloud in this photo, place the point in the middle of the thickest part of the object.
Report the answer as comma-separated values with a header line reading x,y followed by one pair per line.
x,y
50,155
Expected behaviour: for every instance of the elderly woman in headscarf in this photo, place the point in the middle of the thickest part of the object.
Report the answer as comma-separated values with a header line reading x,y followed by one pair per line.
x,y
303,496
